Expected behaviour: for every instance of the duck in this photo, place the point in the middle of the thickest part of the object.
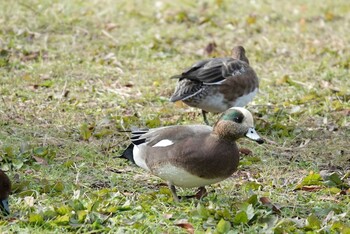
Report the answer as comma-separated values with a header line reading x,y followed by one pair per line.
x,y
190,156
5,189
217,84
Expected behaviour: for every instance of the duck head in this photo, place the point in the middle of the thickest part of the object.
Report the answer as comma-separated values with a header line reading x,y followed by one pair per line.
x,y
238,52
235,123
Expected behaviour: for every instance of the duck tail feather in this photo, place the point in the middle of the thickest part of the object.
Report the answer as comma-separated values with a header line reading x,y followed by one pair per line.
x,y
128,153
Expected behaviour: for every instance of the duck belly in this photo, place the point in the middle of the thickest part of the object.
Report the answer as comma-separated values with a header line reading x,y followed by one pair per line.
x,y
182,178
213,101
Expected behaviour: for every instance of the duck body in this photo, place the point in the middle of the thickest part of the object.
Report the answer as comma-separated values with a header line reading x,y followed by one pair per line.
x,y
193,155
5,189
174,159
217,84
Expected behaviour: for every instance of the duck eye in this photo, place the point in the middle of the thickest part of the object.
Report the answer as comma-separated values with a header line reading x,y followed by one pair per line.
x,y
238,119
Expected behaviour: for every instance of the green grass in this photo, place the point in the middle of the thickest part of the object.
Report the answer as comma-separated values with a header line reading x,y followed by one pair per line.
x,y
73,73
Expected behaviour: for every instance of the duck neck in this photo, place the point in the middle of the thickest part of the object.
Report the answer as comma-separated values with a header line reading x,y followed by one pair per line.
x,y
240,55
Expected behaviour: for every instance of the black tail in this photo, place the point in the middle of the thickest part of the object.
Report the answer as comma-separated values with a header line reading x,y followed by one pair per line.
x,y
127,154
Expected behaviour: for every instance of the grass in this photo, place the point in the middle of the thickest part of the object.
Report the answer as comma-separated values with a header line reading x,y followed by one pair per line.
x,y
73,73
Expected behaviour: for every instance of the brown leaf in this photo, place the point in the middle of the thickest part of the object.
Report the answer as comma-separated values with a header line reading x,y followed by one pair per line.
x,y
344,192
40,160
245,151
266,201
66,93
129,85
311,188
328,198
33,55
110,26
184,224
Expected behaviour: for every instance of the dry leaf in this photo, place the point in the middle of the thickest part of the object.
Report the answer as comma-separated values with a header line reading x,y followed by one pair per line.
x,y
167,216
245,151
311,188
186,225
29,200
110,26
345,192
180,104
40,160
266,201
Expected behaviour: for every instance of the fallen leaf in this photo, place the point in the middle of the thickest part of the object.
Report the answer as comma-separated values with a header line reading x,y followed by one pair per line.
x,y
345,192
251,19
245,151
39,160
267,202
310,188
180,104
29,200
129,85
183,223
110,26
313,180
328,198
167,216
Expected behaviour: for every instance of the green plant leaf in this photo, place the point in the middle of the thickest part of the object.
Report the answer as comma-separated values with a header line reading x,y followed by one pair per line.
x,y
311,179
202,211
241,218
313,222
36,219
223,226
85,132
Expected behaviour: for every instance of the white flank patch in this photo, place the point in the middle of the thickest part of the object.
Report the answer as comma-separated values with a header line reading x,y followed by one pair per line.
x,y
163,143
179,177
213,103
139,160
244,100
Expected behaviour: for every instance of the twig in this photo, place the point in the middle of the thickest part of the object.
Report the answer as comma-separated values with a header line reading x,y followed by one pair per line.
x,y
104,32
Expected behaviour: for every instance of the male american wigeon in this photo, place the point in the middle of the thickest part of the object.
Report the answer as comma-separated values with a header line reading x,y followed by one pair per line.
x,y
193,155
216,84
5,189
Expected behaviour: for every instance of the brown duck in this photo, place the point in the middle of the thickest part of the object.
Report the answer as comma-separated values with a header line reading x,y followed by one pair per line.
x,y
217,84
193,155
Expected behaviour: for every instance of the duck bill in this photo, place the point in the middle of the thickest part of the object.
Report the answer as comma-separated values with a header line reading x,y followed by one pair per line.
x,y
4,207
253,135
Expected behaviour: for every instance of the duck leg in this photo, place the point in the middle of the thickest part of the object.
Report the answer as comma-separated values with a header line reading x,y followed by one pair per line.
x,y
204,113
202,192
173,191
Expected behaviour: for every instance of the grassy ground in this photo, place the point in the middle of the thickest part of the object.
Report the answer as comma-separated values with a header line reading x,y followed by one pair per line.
x,y
73,73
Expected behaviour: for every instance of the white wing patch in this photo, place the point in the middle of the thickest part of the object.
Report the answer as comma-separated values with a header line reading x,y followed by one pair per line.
x,y
163,143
